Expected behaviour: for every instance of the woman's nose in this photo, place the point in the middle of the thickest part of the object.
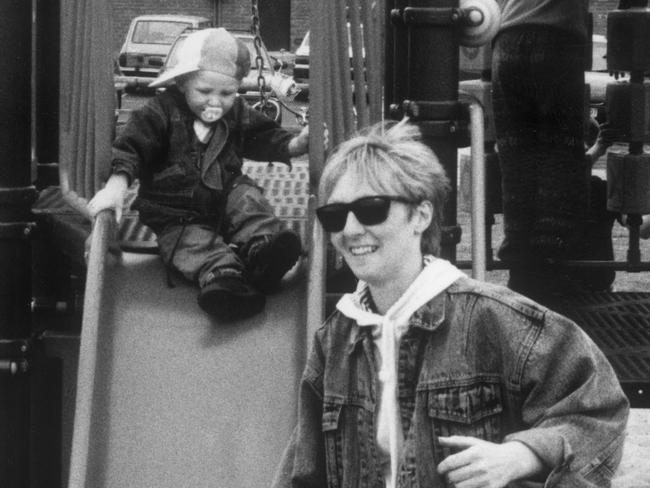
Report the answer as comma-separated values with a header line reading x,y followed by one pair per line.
x,y
352,225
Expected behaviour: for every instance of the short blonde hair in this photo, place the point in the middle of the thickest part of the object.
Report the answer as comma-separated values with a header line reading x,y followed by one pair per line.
x,y
391,159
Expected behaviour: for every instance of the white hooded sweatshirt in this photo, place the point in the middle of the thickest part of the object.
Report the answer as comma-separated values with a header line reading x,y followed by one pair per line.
x,y
436,276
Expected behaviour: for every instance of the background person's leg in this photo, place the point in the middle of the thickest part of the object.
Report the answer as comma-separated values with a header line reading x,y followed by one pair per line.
x,y
515,116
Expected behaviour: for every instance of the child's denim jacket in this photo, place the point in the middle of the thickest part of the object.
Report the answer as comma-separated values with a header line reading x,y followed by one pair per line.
x,y
478,360
180,176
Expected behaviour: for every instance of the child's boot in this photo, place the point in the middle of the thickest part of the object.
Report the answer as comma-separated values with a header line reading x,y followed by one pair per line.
x,y
230,297
268,258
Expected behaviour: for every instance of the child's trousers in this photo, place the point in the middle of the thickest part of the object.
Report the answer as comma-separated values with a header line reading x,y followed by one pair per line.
x,y
201,251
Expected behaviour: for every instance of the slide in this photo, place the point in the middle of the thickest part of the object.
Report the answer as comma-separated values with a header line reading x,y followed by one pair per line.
x,y
169,398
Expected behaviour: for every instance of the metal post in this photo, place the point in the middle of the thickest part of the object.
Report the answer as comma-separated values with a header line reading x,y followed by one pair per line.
x,y
46,77
16,197
425,38
479,202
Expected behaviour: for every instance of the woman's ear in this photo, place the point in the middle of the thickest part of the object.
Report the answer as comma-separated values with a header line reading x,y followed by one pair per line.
x,y
423,215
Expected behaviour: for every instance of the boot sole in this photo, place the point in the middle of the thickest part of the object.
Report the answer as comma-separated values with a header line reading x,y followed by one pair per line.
x,y
281,257
230,306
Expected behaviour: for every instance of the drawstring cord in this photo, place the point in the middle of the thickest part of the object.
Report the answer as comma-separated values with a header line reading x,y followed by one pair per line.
x,y
168,264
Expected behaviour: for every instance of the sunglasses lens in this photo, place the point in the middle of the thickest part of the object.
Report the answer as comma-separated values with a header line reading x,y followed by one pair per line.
x,y
371,210
367,210
332,217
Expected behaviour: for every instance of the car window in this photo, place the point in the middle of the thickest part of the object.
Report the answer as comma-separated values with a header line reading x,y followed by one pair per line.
x,y
172,57
158,32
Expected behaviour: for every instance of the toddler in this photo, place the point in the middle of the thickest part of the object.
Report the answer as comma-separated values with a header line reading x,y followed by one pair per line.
x,y
186,146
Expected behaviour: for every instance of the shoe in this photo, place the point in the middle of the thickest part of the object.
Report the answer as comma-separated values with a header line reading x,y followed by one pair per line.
x,y
596,243
270,257
230,298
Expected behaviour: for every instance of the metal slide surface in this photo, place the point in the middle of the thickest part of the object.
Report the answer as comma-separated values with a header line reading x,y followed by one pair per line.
x,y
176,399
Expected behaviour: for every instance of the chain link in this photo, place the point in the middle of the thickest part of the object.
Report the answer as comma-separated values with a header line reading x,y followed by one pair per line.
x,y
259,59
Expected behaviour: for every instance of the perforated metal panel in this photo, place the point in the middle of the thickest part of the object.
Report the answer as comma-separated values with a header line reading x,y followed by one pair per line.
x,y
287,190
619,323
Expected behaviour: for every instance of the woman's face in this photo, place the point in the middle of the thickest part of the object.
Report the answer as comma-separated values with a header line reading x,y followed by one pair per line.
x,y
382,253
209,95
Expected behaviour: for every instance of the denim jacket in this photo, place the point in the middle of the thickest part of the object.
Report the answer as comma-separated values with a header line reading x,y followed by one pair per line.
x,y
177,173
478,360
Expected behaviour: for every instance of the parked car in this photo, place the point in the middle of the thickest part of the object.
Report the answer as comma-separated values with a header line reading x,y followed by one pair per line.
x,y
147,44
301,65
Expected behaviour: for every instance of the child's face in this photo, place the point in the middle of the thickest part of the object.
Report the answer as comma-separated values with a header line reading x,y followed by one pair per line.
x,y
209,95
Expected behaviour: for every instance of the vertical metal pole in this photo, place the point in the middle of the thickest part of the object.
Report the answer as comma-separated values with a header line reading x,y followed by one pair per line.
x,y
479,202
430,49
433,70
16,197
46,101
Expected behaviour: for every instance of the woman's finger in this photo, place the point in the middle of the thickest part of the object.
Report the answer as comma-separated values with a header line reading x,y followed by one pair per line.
x,y
459,441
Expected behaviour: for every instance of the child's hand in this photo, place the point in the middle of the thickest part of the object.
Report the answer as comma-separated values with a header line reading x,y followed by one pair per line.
x,y
111,196
608,135
300,144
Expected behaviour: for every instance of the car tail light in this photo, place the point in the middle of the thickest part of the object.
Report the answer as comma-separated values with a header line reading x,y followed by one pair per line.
x,y
122,59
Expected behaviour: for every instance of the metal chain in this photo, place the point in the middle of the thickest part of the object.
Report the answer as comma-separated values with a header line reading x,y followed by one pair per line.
x,y
259,60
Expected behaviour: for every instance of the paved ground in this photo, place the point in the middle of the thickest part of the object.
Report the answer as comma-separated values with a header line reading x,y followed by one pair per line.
x,y
634,471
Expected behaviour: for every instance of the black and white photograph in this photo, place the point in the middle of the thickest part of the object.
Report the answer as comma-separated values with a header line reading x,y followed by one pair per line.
x,y
312,243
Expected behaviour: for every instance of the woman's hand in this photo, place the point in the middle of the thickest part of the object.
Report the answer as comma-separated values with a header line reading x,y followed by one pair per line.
x,y
483,464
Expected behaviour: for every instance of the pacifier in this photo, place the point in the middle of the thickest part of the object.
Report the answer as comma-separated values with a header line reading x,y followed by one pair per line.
x,y
211,114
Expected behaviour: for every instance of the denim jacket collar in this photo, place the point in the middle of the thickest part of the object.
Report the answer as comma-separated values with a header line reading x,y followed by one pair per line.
x,y
429,318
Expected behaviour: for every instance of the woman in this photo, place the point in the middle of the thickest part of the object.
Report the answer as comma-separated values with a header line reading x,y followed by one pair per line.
x,y
424,377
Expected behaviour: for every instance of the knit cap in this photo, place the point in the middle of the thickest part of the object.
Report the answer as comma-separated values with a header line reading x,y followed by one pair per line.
x,y
213,49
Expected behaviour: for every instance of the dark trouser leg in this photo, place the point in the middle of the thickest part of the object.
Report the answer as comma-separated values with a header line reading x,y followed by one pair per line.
x,y
248,215
514,114
538,98
200,252
562,199
267,251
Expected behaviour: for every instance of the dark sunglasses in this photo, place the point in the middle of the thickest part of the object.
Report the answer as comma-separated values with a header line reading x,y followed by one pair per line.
x,y
368,211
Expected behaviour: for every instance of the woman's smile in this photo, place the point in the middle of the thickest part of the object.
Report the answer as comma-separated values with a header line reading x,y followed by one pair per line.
x,y
362,250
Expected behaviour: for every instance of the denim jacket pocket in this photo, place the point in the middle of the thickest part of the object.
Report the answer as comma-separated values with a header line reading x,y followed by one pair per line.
x,y
470,407
332,438
348,437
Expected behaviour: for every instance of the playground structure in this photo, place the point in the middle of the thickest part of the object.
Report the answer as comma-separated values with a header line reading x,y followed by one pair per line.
x,y
162,396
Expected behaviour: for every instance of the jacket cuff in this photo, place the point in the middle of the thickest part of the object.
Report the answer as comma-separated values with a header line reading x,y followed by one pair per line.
x,y
553,449
124,168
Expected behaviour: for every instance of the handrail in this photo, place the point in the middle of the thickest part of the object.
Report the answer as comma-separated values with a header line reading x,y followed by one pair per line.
x,y
477,127
103,231
315,273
